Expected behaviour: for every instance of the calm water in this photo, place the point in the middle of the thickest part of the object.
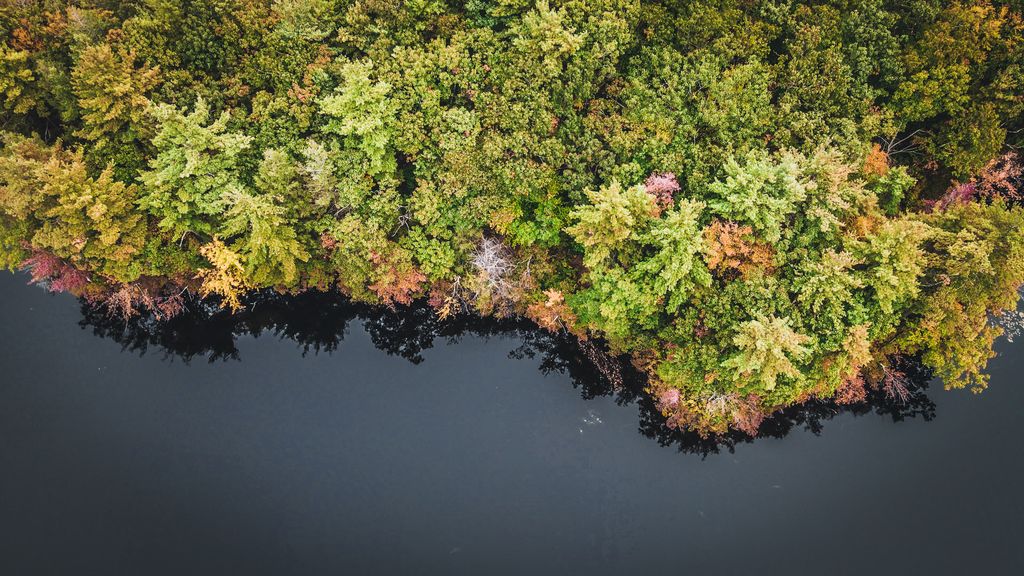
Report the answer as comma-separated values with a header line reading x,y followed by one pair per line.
x,y
494,451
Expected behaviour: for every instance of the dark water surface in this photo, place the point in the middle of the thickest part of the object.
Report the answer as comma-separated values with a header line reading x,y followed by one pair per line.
x,y
469,462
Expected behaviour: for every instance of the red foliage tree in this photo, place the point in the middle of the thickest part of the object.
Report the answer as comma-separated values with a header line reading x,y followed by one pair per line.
x,y
53,273
662,187
851,391
747,415
1002,177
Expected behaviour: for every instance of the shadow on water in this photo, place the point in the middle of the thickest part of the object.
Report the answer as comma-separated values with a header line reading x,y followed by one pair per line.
x,y
318,322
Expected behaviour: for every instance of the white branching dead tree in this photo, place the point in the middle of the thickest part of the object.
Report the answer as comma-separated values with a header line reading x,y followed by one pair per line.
x,y
494,264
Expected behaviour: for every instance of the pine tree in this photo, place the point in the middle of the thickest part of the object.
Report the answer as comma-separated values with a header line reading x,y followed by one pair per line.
x,y
895,261
266,241
196,165
768,349
676,268
17,92
111,94
614,215
360,126
90,222
760,191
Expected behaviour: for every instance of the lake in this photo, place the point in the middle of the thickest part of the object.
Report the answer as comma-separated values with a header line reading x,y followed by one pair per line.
x,y
309,436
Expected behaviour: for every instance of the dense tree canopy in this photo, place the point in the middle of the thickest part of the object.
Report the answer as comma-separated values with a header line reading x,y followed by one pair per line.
x,y
762,202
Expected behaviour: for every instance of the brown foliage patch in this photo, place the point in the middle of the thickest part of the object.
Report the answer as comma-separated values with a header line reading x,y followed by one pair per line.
x,y
1002,177
132,299
877,162
398,281
731,248
552,314
851,391
747,415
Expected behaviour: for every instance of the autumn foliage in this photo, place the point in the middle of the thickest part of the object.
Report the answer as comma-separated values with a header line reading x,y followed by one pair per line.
x,y
732,248
761,203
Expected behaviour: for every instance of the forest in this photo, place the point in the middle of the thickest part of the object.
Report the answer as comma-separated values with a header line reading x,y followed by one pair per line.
x,y
761,203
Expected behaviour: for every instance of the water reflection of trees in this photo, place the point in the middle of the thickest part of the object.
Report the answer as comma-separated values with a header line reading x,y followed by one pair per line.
x,y
319,322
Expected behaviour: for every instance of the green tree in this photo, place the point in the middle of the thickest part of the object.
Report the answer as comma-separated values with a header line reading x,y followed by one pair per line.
x,y
768,348
827,285
111,94
545,38
971,140
197,163
676,267
618,306
974,266
360,124
90,222
760,191
614,215
17,82
894,260
266,240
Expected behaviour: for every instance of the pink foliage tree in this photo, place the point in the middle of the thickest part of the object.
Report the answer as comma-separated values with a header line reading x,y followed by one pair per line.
x,y
1003,177
53,273
663,188
747,415
955,196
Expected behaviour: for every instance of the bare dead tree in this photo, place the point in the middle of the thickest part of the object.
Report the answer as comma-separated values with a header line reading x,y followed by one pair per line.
x,y
493,261
895,384
902,144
